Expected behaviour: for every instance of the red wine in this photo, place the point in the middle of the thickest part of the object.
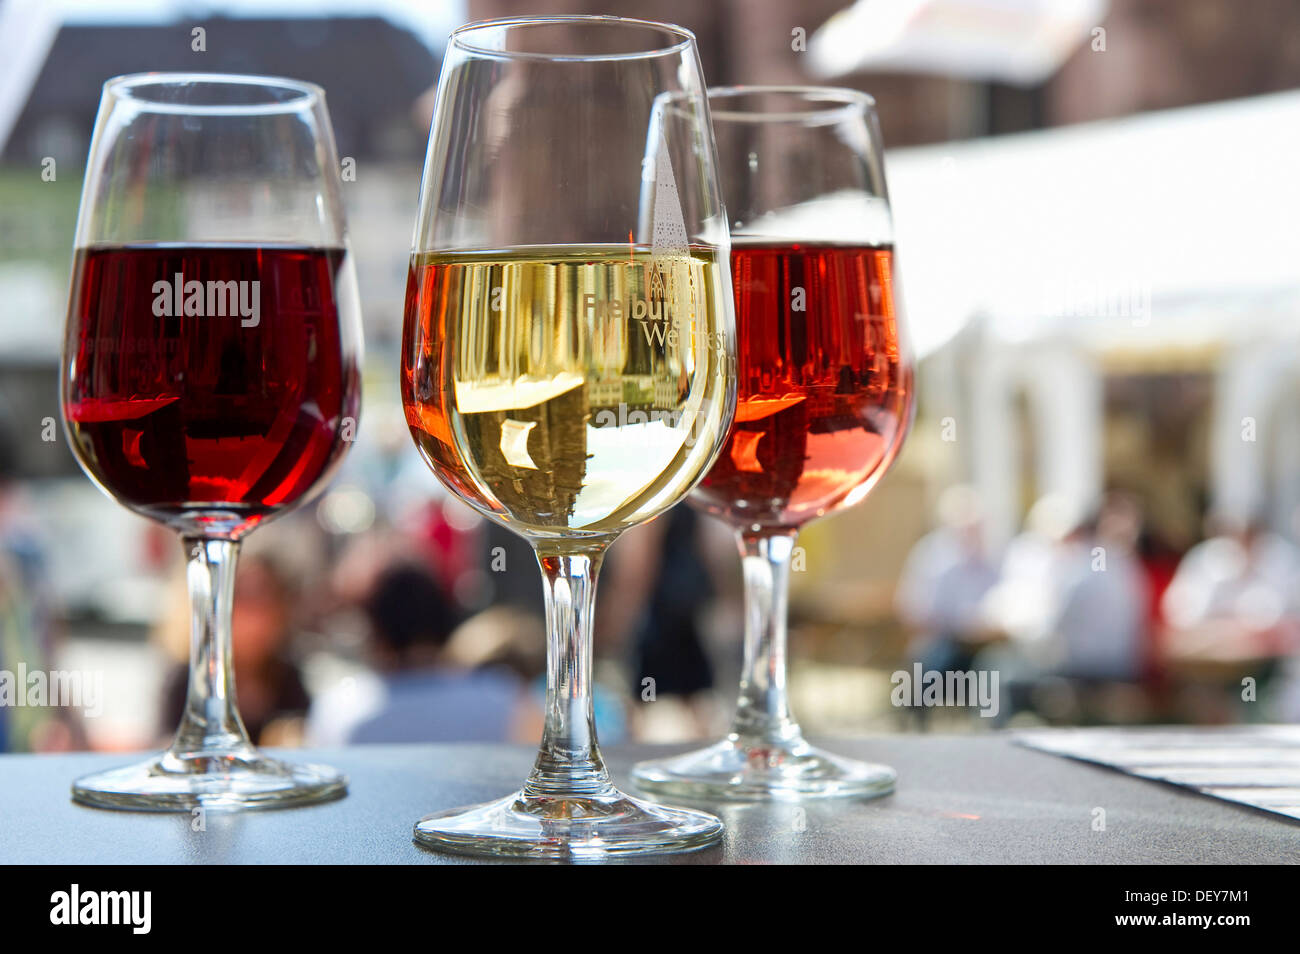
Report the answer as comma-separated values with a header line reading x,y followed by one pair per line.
x,y
215,383
825,390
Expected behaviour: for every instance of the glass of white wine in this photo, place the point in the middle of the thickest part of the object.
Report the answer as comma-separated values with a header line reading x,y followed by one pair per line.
x,y
568,356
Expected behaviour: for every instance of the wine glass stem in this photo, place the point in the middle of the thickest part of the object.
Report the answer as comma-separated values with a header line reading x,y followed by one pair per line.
x,y
569,763
763,709
210,725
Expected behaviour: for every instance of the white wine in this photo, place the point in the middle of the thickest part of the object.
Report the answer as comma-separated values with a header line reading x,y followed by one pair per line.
x,y
569,391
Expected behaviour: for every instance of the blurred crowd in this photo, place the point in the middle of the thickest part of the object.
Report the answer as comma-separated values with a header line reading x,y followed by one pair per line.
x,y
424,622
1091,617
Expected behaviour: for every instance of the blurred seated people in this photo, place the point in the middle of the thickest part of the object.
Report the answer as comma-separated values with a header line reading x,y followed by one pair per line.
x,y
1035,569
418,691
269,689
944,582
1103,612
1072,602
1233,594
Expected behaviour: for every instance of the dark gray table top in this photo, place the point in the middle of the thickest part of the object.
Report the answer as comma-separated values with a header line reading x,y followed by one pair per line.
x,y
959,800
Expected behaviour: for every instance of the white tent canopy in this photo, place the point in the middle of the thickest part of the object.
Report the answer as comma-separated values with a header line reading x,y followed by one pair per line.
x,y
1016,41
1195,211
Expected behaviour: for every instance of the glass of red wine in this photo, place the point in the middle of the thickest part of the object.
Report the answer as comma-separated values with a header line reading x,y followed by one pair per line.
x,y
825,400
210,372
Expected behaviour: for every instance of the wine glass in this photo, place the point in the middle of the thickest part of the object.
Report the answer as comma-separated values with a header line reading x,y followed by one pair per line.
x,y
210,371
825,383
568,355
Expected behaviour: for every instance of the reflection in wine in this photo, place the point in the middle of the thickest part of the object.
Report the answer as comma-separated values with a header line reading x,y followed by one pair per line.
x,y
587,389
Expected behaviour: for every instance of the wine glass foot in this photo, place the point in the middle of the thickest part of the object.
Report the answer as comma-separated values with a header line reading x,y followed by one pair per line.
x,y
736,770
223,782
589,828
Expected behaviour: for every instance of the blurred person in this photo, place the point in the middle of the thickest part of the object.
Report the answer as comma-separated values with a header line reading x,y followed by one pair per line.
x,y
425,525
271,695
1101,621
1159,560
1232,612
1034,571
659,581
450,535
516,578
418,692
1283,701
944,582
1239,583
1072,601
513,639
27,636
25,646
503,637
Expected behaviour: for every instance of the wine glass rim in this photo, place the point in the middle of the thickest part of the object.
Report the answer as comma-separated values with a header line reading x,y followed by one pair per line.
x,y
458,37
837,103
129,86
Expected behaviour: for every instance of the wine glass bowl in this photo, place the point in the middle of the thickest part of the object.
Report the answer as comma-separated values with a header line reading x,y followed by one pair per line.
x,y
161,429
598,431
210,376
825,400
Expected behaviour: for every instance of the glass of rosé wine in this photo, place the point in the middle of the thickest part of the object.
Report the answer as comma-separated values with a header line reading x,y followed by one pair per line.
x,y
825,390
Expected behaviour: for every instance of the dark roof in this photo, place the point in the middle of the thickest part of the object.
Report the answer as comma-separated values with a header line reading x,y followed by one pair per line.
x,y
371,70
